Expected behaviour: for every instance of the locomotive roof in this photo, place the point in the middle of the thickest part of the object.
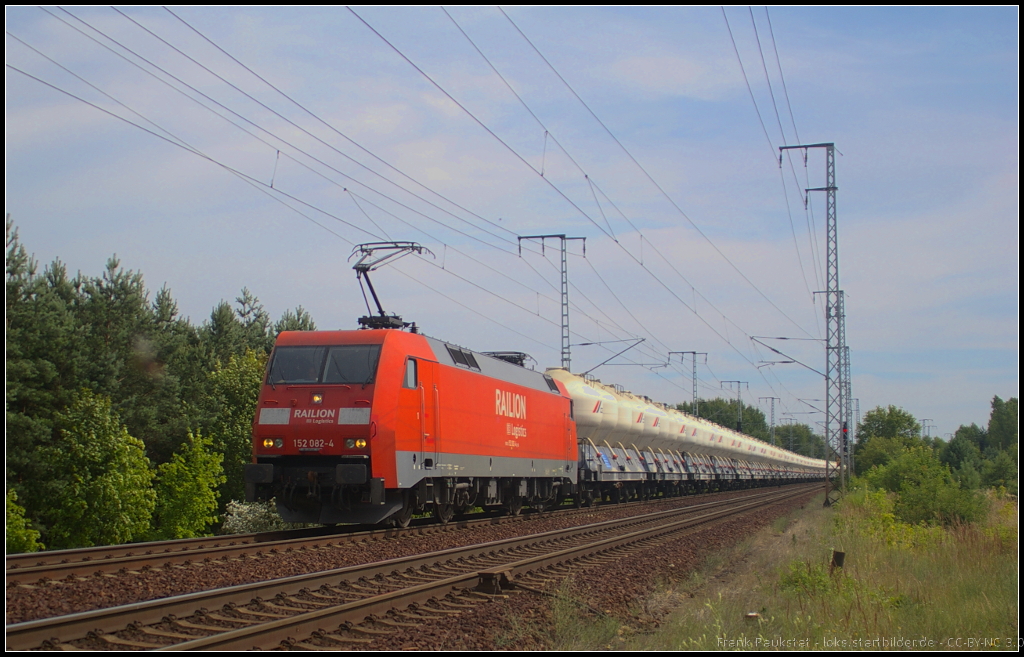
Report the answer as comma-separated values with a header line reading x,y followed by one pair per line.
x,y
445,353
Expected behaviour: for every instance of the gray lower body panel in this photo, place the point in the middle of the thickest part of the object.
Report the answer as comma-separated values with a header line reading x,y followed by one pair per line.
x,y
412,467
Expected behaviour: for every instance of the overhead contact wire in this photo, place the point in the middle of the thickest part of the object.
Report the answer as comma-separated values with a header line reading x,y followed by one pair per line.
x,y
260,186
562,194
336,131
298,127
651,178
573,160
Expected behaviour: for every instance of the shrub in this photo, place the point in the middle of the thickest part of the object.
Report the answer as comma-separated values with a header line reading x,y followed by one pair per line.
x,y
253,517
20,537
925,490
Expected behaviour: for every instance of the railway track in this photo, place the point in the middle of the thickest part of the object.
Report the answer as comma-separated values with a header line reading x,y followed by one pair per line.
x,y
60,564
357,603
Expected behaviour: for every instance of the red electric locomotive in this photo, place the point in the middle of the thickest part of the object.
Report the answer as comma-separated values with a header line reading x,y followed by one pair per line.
x,y
372,425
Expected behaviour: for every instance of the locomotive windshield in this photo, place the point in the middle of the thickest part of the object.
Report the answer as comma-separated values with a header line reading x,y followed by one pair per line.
x,y
313,365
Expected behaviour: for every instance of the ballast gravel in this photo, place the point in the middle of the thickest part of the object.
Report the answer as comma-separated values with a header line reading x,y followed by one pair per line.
x,y
47,599
523,620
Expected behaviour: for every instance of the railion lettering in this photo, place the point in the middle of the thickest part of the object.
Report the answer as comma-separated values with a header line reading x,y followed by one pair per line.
x,y
509,404
315,413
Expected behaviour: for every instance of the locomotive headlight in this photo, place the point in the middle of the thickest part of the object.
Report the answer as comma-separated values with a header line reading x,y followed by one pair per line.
x,y
360,443
318,398
350,443
268,442
278,442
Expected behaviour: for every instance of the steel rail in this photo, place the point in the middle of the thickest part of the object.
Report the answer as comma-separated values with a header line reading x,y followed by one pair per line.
x,y
310,622
59,564
75,626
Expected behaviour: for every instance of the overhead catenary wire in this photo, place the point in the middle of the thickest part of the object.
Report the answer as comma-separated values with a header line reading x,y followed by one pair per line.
x,y
283,141
302,129
261,186
484,126
599,205
785,90
782,133
518,156
767,78
792,118
336,131
589,180
265,188
239,116
764,129
651,179
174,138
167,136
743,70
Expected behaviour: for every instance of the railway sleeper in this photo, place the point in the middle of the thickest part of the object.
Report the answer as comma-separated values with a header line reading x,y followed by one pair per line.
x,y
167,634
217,629
118,641
340,638
390,622
369,631
306,645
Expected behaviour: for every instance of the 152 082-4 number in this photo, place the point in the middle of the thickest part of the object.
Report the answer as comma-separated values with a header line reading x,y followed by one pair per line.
x,y
315,443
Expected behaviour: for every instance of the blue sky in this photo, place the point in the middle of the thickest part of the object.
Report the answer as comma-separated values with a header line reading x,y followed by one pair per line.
x,y
920,102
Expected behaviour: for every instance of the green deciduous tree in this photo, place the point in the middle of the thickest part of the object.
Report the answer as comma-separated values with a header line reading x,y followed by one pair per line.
x,y
20,537
235,388
726,411
891,422
152,366
925,489
801,439
1000,471
187,490
960,450
883,435
876,451
973,433
100,486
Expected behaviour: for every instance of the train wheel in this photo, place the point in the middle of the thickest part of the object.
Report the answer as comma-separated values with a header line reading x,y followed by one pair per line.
x,y
514,506
444,512
404,515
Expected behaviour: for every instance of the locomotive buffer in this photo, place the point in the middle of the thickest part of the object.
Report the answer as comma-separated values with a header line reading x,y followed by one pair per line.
x,y
374,255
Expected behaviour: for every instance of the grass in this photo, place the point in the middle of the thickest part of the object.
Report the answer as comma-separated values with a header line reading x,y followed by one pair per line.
x,y
902,587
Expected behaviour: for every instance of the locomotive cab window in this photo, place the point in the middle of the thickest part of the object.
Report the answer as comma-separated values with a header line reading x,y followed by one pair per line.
x,y
352,364
296,365
411,381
